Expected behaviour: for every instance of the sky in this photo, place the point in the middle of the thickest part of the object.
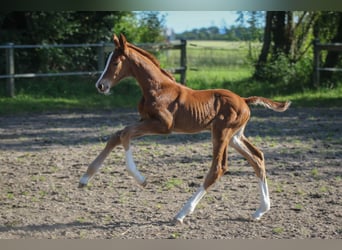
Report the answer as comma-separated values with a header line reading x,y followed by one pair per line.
x,y
181,21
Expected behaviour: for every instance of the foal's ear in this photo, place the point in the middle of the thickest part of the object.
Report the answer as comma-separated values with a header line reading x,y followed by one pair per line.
x,y
123,41
116,41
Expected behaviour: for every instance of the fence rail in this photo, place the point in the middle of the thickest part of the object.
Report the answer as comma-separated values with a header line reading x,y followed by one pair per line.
x,y
318,47
103,48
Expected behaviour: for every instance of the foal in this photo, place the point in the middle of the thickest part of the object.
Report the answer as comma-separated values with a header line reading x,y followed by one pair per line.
x,y
167,106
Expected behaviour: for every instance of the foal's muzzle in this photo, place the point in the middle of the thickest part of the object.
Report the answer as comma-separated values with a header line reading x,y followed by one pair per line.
x,y
102,87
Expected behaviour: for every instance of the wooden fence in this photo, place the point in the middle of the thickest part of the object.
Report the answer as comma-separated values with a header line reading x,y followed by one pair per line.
x,y
318,47
103,48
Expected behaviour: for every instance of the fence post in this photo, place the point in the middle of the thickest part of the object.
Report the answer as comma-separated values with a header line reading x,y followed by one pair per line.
x,y
316,63
183,62
100,59
10,87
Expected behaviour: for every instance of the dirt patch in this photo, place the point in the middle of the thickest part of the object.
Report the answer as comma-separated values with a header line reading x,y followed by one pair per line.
x,y
43,156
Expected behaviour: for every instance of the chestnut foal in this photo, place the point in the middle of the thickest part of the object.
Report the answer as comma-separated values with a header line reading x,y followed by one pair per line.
x,y
167,106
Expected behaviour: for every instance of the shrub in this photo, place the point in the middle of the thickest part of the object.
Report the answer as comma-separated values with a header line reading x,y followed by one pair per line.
x,y
290,75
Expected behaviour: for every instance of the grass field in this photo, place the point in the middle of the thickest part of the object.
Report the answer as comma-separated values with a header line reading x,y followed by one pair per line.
x,y
203,54
211,64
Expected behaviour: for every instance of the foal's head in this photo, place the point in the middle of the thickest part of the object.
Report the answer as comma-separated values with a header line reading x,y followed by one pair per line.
x,y
116,67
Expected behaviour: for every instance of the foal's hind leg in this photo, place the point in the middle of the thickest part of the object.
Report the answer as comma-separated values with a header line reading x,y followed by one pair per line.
x,y
256,158
218,168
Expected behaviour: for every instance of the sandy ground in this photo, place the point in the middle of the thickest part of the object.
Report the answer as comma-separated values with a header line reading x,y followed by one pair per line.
x,y
42,157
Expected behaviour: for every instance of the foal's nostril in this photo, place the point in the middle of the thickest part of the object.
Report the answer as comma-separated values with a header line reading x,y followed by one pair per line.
x,y
101,87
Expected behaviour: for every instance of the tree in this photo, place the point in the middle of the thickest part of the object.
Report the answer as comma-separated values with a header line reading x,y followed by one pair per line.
x,y
151,27
58,27
278,32
141,27
51,27
288,44
266,44
254,21
287,38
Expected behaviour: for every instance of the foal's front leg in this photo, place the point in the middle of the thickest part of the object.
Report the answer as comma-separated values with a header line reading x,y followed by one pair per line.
x,y
97,163
115,140
124,137
132,169
140,129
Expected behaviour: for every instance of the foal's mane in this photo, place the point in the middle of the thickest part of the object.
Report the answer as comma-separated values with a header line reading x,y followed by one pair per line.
x,y
152,59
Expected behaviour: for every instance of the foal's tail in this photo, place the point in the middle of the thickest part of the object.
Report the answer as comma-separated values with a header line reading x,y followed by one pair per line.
x,y
276,106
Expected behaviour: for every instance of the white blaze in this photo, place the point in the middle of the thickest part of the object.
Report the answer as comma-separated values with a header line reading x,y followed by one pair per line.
x,y
106,68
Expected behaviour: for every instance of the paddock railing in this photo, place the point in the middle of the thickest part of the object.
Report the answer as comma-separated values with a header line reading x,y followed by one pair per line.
x,y
103,49
318,47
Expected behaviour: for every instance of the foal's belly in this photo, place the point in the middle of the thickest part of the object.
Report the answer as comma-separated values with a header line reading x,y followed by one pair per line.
x,y
190,122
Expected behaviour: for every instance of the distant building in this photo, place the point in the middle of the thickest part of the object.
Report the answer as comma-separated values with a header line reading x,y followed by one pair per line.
x,y
169,34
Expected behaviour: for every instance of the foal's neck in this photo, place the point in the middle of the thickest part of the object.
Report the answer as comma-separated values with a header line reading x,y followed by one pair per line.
x,y
149,76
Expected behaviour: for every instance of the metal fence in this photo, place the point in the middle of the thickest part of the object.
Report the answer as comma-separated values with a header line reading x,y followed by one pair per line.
x,y
103,48
318,47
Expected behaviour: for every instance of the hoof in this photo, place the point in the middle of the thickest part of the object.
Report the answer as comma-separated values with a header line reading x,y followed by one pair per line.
x,y
261,211
256,218
144,183
176,221
83,181
258,214
81,185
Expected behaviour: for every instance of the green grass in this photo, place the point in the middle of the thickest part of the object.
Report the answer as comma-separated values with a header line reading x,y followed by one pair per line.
x,y
49,94
10,196
323,97
201,54
278,230
219,77
172,183
315,173
298,207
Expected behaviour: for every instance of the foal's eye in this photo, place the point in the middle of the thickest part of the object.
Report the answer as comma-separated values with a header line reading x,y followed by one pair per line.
x,y
116,63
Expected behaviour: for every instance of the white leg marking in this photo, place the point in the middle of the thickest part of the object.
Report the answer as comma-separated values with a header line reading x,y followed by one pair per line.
x,y
189,207
132,169
265,203
236,141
